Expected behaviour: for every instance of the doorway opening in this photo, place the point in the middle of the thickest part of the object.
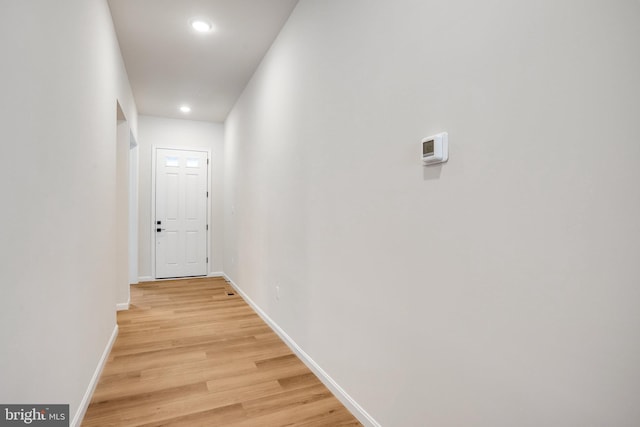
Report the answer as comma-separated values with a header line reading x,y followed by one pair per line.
x,y
126,178
180,206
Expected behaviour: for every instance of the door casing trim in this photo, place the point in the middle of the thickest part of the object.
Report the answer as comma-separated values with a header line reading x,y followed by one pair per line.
x,y
154,157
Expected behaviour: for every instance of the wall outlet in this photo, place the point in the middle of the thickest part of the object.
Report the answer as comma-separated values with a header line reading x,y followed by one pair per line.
x,y
277,293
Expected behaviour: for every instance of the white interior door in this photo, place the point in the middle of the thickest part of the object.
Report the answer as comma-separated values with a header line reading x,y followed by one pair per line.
x,y
180,225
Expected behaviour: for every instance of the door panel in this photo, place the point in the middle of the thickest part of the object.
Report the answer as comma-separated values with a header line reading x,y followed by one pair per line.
x,y
172,196
181,208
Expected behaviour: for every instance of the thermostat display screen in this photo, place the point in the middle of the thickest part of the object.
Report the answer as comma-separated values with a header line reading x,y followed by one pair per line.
x,y
435,149
427,147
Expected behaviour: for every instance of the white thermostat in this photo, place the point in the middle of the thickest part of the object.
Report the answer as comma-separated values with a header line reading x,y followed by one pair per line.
x,y
435,149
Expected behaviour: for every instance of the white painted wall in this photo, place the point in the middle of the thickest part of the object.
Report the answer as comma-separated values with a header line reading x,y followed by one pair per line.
x,y
61,76
500,289
122,213
133,212
172,133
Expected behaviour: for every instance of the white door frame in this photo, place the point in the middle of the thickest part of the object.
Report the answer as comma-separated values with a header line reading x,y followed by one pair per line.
x,y
154,157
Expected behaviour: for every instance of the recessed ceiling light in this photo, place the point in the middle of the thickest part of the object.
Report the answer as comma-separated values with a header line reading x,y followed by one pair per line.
x,y
185,108
201,25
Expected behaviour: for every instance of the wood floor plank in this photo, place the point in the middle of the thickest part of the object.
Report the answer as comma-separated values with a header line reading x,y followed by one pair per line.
x,y
222,416
286,399
190,354
115,409
315,411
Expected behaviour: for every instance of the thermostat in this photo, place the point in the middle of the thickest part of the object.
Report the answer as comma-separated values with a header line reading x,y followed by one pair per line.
x,y
435,149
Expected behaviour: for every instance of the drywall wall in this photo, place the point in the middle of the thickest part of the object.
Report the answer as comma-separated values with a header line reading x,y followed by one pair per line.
x,y
61,78
133,213
172,133
122,213
499,289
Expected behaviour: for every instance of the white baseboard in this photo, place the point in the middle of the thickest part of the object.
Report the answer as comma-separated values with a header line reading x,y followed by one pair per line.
x,y
82,409
123,305
357,410
151,279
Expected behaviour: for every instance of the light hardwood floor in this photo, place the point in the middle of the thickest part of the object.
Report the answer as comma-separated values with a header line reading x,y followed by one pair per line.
x,y
189,354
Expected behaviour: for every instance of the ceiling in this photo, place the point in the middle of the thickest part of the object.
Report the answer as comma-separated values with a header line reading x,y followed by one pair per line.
x,y
170,64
